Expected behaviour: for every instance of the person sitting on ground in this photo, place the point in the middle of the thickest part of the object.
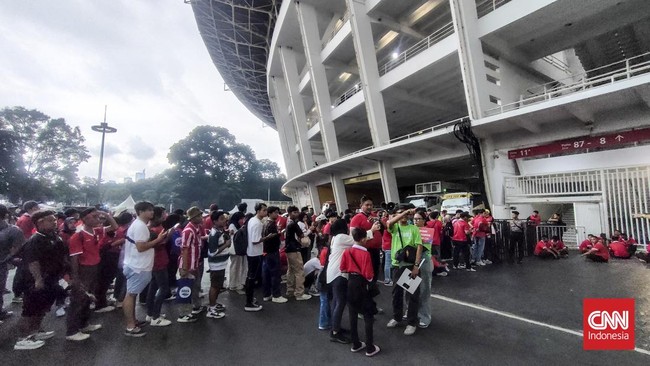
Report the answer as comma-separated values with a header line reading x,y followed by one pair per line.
x,y
357,263
587,244
599,253
544,249
559,247
630,244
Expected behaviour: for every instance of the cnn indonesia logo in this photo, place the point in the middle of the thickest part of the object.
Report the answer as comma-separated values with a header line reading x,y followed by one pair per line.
x,y
608,324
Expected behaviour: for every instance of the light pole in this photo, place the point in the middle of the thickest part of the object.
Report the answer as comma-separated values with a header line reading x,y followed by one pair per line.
x,y
104,129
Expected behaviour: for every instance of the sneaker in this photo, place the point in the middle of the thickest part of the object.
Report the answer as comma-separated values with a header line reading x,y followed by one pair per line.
x,y
370,354
105,309
214,314
314,292
442,274
480,263
410,330
470,269
135,332
60,311
461,266
187,318
327,327
487,261
28,343
253,307
388,283
78,337
303,297
141,323
358,347
423,325
160,322
42,335
199,310
392,323
279,300
91,328
339,338
267,298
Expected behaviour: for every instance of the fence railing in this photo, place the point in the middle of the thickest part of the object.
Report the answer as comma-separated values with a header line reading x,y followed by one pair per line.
x,y
422,45
571,235
348,94
336,29
625,69
557,63
584,182
485,7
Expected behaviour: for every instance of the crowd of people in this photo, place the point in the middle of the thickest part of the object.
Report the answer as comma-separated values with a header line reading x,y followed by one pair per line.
x,y
91,262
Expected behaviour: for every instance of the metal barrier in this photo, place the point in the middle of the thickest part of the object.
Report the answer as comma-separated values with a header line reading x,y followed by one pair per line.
x,y
532,234
569,234
487,6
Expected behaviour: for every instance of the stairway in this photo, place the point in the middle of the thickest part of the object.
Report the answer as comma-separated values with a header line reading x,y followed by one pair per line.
x,y
570,236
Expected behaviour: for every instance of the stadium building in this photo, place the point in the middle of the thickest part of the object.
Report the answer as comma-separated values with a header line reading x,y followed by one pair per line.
x,y
539,104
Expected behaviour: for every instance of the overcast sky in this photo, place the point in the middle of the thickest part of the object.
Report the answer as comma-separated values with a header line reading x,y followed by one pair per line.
x,y
144,59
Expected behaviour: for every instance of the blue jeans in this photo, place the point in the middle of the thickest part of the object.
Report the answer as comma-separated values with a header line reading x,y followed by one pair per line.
x,y
339,299
426,273
387,265
477,248
158,291
324,319
271,275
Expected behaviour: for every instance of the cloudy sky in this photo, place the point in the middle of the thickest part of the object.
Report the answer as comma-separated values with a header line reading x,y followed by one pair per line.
x,y
144,59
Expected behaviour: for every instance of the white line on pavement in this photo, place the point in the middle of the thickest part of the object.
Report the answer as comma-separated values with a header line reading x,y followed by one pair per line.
x,y
517,317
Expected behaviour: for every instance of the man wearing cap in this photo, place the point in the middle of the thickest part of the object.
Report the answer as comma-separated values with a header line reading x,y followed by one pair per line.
x,y
188,261
11,240
44,258
517,230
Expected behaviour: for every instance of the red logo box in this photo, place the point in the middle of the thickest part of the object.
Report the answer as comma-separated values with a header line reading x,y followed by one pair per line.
x,y
608,324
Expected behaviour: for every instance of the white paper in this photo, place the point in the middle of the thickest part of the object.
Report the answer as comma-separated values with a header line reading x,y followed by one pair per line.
x,y
407,283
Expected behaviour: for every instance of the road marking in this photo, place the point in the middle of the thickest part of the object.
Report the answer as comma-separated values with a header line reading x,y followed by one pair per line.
x,y
517,317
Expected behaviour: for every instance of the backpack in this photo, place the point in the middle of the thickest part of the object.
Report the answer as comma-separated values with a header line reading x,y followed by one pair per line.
x,y
240,241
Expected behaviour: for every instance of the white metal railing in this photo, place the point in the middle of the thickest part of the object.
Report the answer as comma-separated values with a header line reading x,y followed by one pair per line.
x,y
625,69
554,184
348,94
571,235
485,7
422,45
557,63
337,28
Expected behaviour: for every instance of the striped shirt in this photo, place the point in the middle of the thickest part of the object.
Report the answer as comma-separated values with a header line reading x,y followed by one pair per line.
x,y
190,238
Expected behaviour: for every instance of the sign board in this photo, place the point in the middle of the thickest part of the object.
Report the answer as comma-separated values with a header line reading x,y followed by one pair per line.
x,y
427,234
582,144
362,178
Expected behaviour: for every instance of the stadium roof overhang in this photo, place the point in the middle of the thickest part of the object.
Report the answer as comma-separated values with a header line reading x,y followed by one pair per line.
x,y
238,34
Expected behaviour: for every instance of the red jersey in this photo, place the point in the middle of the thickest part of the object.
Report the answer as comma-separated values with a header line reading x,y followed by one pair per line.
x,y
585,245
86,245
602,251
323,256
362,221
191,239
26,225
437,226
535,220
160,258
619,249
480,227
461,227
539,248
386,238
559,245
326,228
361,259
282,224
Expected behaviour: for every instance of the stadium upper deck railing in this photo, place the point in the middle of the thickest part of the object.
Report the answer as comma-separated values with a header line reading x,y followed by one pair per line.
x,y
487,6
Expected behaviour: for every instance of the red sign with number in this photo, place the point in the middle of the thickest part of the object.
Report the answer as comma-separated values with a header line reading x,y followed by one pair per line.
x,y
582,143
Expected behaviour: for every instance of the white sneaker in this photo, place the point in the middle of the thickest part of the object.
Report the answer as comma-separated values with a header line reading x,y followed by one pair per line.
x,y
267,298
160,322
480,263
105,309
279,300
150,318
303,297
487,261
41,336
60,311
442,274
28,343
392,323
410,330
91,328
214,314
78,337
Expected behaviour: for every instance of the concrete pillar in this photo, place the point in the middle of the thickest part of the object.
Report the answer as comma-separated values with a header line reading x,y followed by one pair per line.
x,y
315,198
496,167
388,181
471,57
290,71
308,21
284,123
340,196
364,45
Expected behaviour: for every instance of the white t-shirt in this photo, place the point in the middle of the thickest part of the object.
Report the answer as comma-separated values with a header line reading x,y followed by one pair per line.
x,y
312,265
138,261
254,235
340,243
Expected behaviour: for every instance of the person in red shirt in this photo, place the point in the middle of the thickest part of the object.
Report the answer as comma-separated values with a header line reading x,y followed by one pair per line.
x,y
357,262
559,247
480,229
599,253
544,249
159,285
25,221
188,261
460,241
535,219
386,241
630,244
436,225
364,221
617,249
587,244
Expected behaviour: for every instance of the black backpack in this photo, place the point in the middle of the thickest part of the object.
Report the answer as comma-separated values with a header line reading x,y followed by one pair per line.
x,y
240,240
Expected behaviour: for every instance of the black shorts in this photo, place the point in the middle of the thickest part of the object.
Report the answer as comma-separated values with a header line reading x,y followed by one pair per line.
x,y
217,278
39,302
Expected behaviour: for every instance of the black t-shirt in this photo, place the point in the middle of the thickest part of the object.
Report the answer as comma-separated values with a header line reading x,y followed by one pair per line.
x,y
271,245
292,237
50,252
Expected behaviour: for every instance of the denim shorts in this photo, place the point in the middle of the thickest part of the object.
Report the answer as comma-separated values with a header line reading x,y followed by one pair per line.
x,y
136,282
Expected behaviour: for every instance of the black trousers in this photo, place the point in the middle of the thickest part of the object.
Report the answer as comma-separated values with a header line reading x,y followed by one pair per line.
x,y
516,241
398,299
360,302
446,248
375,258
596,258
107,273
78,311
461,247
254,266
